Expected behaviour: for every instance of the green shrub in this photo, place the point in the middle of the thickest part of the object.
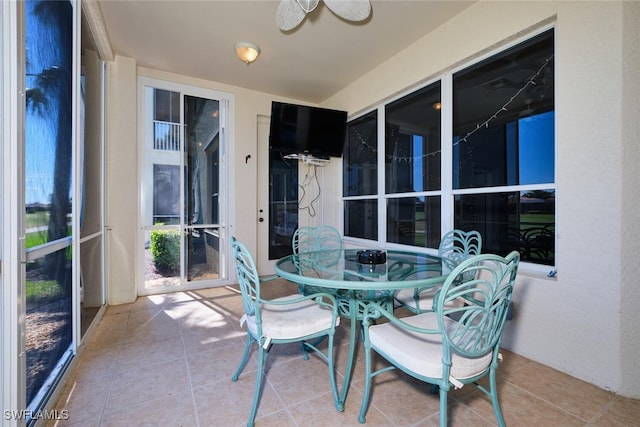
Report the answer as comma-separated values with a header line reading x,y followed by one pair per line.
x,y
165,249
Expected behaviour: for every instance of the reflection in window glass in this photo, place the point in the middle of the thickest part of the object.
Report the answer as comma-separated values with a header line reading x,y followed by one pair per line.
x,y
202,143
504,136
536,149
361,219
47,189
48,145
361,157
414,221
522,221
283,203
503,118
412,144
202,253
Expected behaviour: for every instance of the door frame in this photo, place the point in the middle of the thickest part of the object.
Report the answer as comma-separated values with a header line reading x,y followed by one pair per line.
x,y
264,264
227,210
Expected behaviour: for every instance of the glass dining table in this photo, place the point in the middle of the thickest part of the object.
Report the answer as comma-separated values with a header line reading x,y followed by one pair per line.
x,y
358,277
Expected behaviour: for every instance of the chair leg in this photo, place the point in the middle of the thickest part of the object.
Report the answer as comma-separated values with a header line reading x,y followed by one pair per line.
x,y
443,406
245,357
494,398
332,374
262,360
367,384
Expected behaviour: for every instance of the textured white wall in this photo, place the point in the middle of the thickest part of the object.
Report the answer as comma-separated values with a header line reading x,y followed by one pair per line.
x,y
630,291
572,323
122,165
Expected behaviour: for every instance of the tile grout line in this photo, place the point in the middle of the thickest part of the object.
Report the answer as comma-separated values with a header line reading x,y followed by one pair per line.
x,y
604,410
186,361
546,401
114,368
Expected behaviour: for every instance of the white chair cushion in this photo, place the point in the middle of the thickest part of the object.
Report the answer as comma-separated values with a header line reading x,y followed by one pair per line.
x,y
422,353
292,321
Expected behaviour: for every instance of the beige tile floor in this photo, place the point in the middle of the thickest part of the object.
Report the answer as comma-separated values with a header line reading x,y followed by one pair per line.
x,y
167,360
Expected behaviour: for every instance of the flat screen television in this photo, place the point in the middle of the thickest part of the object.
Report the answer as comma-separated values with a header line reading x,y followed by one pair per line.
x,y
301,129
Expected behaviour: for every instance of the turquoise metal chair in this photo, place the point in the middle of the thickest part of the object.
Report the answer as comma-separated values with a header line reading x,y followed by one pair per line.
x,y
321,237
313,239
293,318
453,345
455,247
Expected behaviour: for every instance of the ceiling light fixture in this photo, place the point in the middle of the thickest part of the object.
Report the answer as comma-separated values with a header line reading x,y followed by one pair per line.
x,y
247,52
291,13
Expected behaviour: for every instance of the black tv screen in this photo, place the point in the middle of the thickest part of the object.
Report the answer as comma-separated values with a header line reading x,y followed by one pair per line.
x,y
297,129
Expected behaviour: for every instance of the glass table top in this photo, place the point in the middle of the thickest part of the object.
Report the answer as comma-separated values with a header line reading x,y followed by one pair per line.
x,y
362,269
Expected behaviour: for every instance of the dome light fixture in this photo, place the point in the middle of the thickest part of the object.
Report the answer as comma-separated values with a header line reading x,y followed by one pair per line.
x,y
247,52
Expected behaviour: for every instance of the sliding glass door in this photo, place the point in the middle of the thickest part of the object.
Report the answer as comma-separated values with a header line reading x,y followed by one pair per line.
x,y
183,187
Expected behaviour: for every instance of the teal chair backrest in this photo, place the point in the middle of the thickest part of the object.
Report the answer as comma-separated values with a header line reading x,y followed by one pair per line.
x,y
248,279
311,239
457,245
480,321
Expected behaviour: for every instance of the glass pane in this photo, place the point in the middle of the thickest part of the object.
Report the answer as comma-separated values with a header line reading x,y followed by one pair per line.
x,y
166,194
203,254
412,145
536,154
48,121
48,317
202,143
162,258
414,221
522,221
361,156
166,120
166,106
283,203
91,157
361,219
91,296
503,120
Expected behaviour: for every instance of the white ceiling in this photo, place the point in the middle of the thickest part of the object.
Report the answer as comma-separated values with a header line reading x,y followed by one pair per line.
x,y
309,63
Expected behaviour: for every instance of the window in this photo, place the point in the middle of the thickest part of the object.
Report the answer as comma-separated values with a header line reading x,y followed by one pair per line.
x,y
360,184
413,168
495,174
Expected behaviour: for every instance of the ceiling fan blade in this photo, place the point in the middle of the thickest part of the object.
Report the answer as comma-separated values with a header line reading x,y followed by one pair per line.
x,y
351,10
289,15
308,5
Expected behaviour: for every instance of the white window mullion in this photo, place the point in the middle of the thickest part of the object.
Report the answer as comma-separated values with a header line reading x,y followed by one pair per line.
x,y
446,158
382,200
